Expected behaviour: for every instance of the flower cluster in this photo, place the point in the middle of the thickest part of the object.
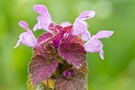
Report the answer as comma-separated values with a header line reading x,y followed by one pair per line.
x,y
59,54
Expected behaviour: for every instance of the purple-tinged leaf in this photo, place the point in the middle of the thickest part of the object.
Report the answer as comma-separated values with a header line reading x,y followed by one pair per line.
x,y
78,82
83,69
41,69
76,39
35,52
73,53
44,37
49,49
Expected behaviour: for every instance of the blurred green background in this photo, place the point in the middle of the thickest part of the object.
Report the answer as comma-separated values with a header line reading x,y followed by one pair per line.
x,y
116,72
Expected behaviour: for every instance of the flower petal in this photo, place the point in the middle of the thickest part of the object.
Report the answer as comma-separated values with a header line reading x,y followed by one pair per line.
x,y
44,19
86,15
101,54
37,26
41,9
65,24
86,35
24,25
93,45
80,27
104,34
17,44
27,38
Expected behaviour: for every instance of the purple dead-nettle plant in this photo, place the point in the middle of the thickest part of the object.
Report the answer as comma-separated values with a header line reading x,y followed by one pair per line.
x,y
59,54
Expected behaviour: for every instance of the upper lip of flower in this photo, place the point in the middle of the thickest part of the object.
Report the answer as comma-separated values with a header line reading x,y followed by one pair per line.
x,y
44,19
80,27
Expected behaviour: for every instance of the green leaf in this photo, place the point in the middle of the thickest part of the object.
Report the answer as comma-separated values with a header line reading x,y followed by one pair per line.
x,y
40,86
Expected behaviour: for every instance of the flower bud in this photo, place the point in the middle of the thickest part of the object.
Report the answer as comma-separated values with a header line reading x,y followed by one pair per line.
x,y
67,74
56,42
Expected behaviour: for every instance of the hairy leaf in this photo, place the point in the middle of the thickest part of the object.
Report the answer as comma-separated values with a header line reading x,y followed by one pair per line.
x,y
35,52
83,69
78,82
41,69
44,37
76,39
73,53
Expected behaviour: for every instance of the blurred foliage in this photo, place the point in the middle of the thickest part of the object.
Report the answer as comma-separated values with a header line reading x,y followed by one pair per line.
x,y
116,72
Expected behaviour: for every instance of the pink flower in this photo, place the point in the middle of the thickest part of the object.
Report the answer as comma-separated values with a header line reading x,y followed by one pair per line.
x,y
80,27
27,38
65,24
44,19
95,45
